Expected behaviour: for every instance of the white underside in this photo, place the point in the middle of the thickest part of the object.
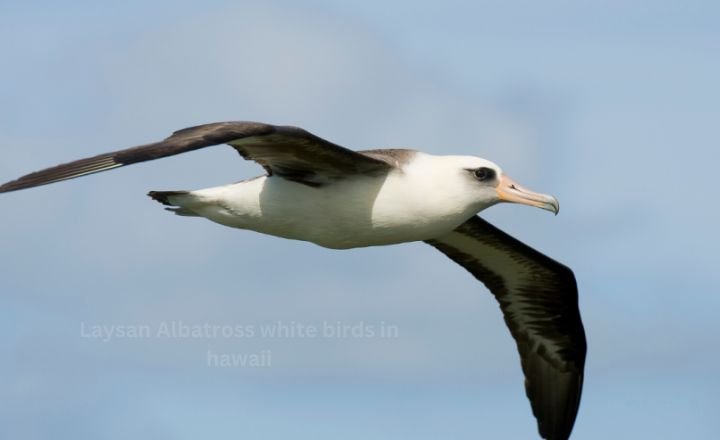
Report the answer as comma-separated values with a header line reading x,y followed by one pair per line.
x,y
358,211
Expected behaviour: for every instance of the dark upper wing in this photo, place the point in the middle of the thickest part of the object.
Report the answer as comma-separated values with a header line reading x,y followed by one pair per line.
x,y
289,152
539,300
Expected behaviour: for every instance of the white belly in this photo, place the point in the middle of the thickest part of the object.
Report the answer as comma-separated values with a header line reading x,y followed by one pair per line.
x,y
356,212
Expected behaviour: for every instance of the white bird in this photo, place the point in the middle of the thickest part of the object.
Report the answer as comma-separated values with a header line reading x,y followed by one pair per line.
x,y
337,198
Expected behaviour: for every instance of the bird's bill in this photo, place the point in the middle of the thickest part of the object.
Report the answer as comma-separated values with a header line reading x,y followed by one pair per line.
x,y
510,191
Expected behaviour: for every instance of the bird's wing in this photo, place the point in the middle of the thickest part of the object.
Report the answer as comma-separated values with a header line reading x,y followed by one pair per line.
x,y
539,300
289,152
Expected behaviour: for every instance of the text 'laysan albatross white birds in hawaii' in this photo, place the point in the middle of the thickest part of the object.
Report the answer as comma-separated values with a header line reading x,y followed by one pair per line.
x,y
317,191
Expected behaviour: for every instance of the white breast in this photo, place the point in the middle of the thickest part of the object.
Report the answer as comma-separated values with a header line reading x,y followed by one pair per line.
x,y
412,204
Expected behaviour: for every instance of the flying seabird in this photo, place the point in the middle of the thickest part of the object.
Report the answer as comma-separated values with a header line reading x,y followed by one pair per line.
x,y
338,198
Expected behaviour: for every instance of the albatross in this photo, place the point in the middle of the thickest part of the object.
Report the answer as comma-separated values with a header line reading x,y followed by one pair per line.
x,y
317,191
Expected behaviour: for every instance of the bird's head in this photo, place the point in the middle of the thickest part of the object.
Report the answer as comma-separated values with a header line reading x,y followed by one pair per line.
x,y
487,185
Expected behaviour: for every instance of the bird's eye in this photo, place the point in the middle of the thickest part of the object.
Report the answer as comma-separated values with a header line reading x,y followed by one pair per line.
x,y
483,173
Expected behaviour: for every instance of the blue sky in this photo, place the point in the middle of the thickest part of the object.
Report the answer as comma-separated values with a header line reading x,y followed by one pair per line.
x,y
611,107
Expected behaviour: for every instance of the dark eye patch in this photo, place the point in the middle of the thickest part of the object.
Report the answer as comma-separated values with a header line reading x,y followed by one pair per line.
x,y
484,174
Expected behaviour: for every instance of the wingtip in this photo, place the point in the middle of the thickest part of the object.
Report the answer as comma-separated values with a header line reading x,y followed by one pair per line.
x,y
11,186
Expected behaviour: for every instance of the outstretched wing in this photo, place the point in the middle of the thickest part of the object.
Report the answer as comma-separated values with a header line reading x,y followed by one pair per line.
x,y
289,152
539,300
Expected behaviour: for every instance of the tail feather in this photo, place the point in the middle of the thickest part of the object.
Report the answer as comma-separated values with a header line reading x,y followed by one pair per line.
x,y
164,196
181,202
183,212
